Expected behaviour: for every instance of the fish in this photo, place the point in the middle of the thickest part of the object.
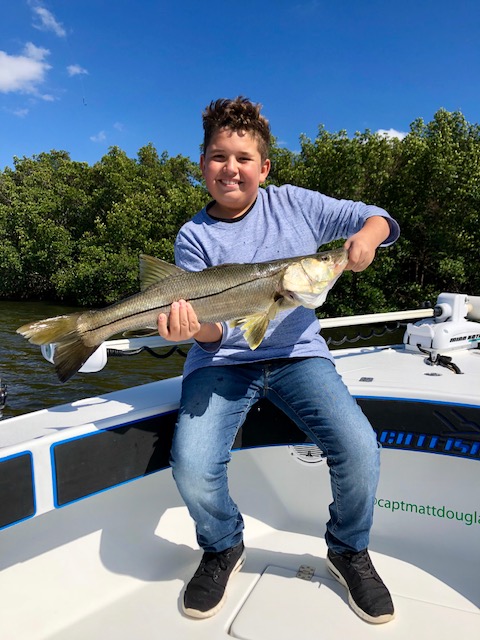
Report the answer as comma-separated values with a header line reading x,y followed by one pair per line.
x,y
246,295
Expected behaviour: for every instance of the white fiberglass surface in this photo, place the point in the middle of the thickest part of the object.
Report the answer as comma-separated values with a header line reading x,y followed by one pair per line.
x,y
393,372
115,564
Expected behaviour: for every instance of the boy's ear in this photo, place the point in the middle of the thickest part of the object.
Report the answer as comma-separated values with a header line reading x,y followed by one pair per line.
x,y
202,162
265,170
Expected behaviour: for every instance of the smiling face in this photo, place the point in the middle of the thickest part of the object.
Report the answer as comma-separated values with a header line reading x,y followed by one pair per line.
x,y
233,170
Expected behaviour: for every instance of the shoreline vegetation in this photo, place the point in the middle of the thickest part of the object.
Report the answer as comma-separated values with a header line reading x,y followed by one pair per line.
x,y
72,233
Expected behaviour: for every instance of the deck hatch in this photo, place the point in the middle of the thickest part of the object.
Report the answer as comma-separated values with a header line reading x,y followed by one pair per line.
x,y
283,607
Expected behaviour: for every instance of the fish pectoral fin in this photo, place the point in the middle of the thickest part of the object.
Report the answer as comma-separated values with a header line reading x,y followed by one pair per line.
x,y
153,270
255,326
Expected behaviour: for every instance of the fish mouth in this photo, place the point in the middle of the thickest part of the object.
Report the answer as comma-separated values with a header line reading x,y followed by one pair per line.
x,y
338,260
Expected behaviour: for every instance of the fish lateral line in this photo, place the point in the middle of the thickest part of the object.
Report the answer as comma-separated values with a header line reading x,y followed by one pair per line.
x,y
226,290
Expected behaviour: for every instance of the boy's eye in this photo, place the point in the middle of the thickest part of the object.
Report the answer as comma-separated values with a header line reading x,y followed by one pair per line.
x,y
220,157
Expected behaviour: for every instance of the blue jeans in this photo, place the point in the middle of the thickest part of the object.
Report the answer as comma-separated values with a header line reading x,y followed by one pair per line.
x,y
214,404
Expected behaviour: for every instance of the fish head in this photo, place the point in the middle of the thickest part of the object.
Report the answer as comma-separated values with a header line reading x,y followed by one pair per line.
x,y
308,280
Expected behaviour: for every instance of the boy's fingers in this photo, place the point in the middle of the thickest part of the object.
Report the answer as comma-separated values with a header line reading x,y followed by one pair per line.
x,y
163,325
183,316
180,324
174,319
193,323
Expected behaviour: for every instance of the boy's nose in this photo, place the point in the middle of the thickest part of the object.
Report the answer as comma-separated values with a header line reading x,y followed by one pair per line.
x,y
231,165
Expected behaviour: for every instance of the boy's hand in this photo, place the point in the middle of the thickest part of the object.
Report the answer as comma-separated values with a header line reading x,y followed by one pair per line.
x,y
361,253
182,324
361,246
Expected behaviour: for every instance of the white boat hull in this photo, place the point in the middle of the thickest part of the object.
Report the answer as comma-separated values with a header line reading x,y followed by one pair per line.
x,y
96,542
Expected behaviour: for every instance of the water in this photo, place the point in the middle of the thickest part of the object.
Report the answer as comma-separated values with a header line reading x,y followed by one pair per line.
x,y
32,381
33,384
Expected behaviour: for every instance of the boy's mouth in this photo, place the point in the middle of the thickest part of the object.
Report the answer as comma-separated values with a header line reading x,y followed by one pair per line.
x,y
230,183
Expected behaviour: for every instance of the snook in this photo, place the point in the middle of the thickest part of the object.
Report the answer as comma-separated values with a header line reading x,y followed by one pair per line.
x,y
249,295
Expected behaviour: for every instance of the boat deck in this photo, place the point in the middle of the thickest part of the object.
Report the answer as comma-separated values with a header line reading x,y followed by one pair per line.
x,y
114,563
267,601
394,372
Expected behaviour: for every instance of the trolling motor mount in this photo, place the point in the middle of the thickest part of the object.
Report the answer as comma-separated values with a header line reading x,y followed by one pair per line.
x,y
453,326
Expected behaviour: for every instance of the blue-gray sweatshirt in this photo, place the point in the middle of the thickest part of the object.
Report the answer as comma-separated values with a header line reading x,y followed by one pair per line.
x,y
284,222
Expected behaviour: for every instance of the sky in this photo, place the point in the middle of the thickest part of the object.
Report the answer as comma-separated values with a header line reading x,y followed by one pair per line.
x,y
84,75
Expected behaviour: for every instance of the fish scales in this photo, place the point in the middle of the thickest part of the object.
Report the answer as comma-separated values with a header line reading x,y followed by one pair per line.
x,y
246,295
210,292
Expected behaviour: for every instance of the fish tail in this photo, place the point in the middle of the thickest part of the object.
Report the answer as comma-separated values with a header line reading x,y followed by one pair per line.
x,y
70,351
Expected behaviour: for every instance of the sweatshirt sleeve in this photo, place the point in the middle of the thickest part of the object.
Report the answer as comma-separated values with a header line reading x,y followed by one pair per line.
x,y
189,255
333,218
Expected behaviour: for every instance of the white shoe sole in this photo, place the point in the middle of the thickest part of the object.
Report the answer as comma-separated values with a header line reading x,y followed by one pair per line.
x,y
195,613
354,606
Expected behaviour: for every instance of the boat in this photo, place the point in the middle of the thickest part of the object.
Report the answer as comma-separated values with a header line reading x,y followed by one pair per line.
x,y
95,541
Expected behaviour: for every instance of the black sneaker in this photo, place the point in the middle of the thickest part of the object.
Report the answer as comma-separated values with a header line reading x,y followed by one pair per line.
x,y
367,595
205,594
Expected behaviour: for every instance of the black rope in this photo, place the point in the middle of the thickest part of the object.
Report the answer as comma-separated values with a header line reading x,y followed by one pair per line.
x,y
373,333
134,352
443,361
440,360
437,359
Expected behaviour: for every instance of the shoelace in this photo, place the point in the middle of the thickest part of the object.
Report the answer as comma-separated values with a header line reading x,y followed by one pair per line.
x,y
362,564
212,563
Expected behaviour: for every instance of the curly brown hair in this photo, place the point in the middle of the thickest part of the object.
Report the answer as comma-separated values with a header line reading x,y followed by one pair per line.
x,y
239,114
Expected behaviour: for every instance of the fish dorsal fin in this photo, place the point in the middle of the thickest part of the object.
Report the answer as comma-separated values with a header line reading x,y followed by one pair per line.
x,y
153,270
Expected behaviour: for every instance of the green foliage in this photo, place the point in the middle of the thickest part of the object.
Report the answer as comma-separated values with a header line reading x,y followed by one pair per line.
x,y
98,276
429,182
73,232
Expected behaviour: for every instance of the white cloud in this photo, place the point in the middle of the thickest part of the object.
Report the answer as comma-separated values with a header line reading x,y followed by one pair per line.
x,y
34,52
48,22
391,133
101,136
76,70
119,126
19,112
23,73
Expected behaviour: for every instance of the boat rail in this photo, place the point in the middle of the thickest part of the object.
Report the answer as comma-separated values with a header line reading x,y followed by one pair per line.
x,y
374,318
135,345
155,342
455,311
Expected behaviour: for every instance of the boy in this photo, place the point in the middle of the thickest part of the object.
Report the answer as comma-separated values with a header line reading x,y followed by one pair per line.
x,y
292,366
